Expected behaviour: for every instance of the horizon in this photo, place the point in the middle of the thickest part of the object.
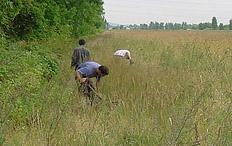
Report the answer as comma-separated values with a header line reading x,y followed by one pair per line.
x,y
165,22
128,12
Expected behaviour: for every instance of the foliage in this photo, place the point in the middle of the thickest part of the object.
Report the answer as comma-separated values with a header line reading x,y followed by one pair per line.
x,y
143,26
221,26
27,69
230,25
205,25
214,23
27,19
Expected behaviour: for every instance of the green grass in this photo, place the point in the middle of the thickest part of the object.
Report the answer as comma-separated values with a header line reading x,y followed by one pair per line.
x,y
178,92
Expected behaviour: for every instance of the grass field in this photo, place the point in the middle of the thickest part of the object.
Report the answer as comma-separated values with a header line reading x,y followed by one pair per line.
x,y
178,92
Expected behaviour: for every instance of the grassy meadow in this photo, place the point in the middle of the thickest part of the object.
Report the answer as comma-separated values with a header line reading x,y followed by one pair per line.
x,y
178,92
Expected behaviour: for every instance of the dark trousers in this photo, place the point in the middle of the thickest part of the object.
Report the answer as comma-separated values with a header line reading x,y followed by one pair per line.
x,y
86,89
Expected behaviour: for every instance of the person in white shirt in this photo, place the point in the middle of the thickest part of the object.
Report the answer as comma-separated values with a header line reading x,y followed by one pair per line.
x,y
125,54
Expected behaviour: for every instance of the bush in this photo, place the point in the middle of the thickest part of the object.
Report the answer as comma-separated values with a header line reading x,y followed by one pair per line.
x,y
26,19
25,70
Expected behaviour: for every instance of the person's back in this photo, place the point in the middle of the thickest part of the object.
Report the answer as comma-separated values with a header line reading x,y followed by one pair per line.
x,y
88,69
122,53
80,54
125,54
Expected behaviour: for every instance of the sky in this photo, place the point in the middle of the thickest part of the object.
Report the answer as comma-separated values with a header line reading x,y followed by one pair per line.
x,y
176,11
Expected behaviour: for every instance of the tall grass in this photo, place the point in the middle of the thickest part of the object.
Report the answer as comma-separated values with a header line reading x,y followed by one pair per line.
x,y
178,92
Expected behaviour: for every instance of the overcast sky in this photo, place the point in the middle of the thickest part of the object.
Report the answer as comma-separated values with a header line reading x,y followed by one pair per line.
x,y
175,11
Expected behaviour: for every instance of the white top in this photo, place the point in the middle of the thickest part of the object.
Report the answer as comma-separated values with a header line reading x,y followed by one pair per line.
x,y
121,53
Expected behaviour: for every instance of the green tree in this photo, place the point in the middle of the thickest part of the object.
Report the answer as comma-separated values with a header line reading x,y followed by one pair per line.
x,y
221,26
151,25
177,26
143,26
28,19
135,26
161,26
230,24
184,25
205,25
171,25
166,26
214,23
157,25
194,26
106,24
121,27
201,26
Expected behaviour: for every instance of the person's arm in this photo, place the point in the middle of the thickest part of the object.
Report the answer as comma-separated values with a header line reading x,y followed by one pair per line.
x,y
88,55
73,59
78,75
98,85
127,55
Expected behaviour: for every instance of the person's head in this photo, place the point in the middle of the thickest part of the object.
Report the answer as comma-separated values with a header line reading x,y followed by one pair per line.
x,y
103,70
127,55
82,42
131,61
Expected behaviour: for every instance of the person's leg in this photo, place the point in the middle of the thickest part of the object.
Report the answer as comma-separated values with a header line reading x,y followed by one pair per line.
x,y
90,88
82,90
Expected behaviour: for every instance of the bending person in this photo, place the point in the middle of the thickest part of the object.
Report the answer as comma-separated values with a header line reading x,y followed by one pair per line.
x,y
125,54
85,72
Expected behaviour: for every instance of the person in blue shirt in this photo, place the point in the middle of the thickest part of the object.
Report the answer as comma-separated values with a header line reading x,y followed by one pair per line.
x,y
85,72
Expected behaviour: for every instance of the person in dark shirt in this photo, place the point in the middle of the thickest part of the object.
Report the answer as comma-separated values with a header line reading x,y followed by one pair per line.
x,y
80,54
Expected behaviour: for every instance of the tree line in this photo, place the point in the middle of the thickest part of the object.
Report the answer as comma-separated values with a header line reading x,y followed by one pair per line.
x,y
177,26
29,19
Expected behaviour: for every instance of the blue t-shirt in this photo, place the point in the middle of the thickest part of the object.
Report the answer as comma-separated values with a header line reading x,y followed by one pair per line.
x,y
89,70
